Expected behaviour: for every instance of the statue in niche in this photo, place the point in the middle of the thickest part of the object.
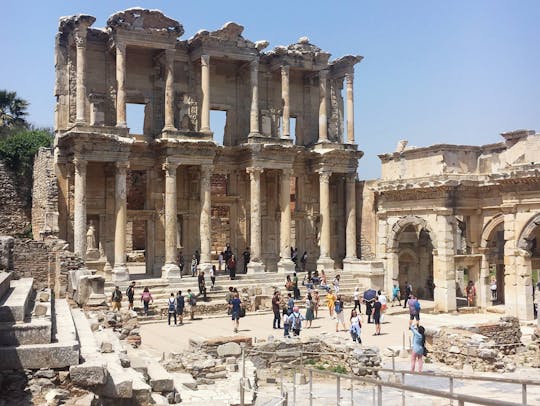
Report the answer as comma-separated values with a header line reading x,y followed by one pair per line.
x,y
92,252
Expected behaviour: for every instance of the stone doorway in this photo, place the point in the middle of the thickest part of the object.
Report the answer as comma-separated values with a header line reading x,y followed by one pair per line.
x,y
495,258
221,229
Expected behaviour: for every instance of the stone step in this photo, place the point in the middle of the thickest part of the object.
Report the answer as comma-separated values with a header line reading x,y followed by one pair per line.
x,y
142,392
160,380
37,331
119,384
14,304
5,278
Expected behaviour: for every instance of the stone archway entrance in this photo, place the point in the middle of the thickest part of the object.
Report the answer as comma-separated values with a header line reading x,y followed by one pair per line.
x,y
527,264
494,261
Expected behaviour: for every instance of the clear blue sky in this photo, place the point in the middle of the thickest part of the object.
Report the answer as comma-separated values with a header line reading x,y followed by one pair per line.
x,y
457,71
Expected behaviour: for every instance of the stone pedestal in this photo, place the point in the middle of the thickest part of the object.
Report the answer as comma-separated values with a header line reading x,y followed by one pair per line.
x,y
170,272
325,264
369,274
255,267
120,273
285,266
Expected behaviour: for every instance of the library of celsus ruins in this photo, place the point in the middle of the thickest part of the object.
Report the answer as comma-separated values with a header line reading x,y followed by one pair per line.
x,y
256,148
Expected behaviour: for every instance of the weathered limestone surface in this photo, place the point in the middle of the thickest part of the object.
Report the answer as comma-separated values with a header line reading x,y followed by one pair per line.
x,y
15,219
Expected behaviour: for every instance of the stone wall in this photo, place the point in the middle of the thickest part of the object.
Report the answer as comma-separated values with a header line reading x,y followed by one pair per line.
x,y
44,196
14,220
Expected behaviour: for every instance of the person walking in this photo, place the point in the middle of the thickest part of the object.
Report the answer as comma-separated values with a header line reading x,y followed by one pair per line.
x,y
276,300
369,309
296,290
408,293
356,298
146,299
220,261
171,306
377,316
180,303
192,301
181,263
286,322
418,347
310,307
330,300
130,293
340,314
384,304
198,257
316,300
116,299
396,294
323,283
213,277
356,326
193,266
247,257
335,282
296,321
231,264
290,303
202,284
236,308
414,310
471,293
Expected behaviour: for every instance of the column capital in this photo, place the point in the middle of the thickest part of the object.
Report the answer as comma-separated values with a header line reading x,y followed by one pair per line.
x,y
205,60
254,171
323,74
169,55
122,166
79,35
350,177
324,175
207,170
287,171
349,78
254,65
285,70
169,168
80,165
121,47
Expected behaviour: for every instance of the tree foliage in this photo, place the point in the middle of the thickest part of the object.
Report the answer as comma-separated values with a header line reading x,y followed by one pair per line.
x,y
12,111
18,149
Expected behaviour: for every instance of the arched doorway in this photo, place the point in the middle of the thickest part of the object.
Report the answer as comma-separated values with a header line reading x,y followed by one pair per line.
x,y
529,267
494,256
415,256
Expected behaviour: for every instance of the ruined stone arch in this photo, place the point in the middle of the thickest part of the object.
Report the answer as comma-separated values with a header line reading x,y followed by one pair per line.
x,y
525,237
417,222
489,228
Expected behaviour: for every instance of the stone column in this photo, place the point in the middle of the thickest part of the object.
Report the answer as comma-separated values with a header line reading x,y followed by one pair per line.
x,y
205,87
483,290
349,77
511,262
170,270
285,264
120,271
206,219
80,41
286,101
79,226
444,272
254,113
350,213
121,85
524,285
169,90
255,264
323,122
325,262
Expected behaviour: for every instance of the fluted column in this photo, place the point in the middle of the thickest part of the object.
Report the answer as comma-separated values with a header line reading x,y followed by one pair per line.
x,y
349,77
285,264
79,226
169,90
325,262
170,270
254,113
323,122
120,271
286,101
350,231
255,264
205,88
121,85
80,41
206,218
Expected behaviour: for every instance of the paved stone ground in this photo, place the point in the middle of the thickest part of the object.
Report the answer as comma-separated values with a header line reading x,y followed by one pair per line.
x,y
159,339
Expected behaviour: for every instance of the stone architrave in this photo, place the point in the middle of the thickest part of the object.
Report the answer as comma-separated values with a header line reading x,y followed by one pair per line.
x,y
205,91
255,264
325,262
79,226
121,85
170,270
120,271
285,265
206,219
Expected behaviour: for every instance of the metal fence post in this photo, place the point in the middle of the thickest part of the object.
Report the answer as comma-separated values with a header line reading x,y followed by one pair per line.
x,y
403,391
243,376
379,395
294,388
524,394
352,392
373,396
281,378
310,387
451,384
338,390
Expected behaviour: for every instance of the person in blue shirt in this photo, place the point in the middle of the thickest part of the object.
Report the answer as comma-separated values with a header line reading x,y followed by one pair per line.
x,y
418,347
236,307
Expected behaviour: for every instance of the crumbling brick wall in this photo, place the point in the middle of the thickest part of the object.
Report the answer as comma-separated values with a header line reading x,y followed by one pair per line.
x,y
14,220
44,196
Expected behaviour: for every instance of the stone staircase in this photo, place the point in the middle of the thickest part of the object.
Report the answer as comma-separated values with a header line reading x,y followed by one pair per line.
x,y
262,285
35,331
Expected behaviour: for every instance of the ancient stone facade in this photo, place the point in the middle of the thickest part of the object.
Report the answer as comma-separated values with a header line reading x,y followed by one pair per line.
x,y
162,182
15,220
448,214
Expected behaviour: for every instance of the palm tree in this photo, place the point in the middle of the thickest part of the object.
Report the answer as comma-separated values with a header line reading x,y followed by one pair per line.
x,y
12,110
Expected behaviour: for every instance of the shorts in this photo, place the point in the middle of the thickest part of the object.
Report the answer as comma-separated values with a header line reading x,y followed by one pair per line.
x,y
415,316
340,317
377,319
235,315
180,310
130,300
116,305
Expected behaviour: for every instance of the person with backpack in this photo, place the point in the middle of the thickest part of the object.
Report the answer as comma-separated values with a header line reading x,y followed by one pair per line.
x,y
408,293
377,306
414,310
340,315
356,326
171,307
310,307
418,347
180,303
236,309
286,322
192,301
130,293
146,298
193,266
116,299
296,321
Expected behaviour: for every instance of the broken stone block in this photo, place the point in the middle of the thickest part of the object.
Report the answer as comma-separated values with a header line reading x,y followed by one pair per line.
x,y
229,349
160,379
106,347
88,374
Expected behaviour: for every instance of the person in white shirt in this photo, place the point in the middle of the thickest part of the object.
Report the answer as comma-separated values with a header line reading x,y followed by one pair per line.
x,y
356,325
335,282
384,303
356,297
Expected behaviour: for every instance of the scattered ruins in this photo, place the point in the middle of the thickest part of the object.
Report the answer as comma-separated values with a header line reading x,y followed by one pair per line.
x,y
284,175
